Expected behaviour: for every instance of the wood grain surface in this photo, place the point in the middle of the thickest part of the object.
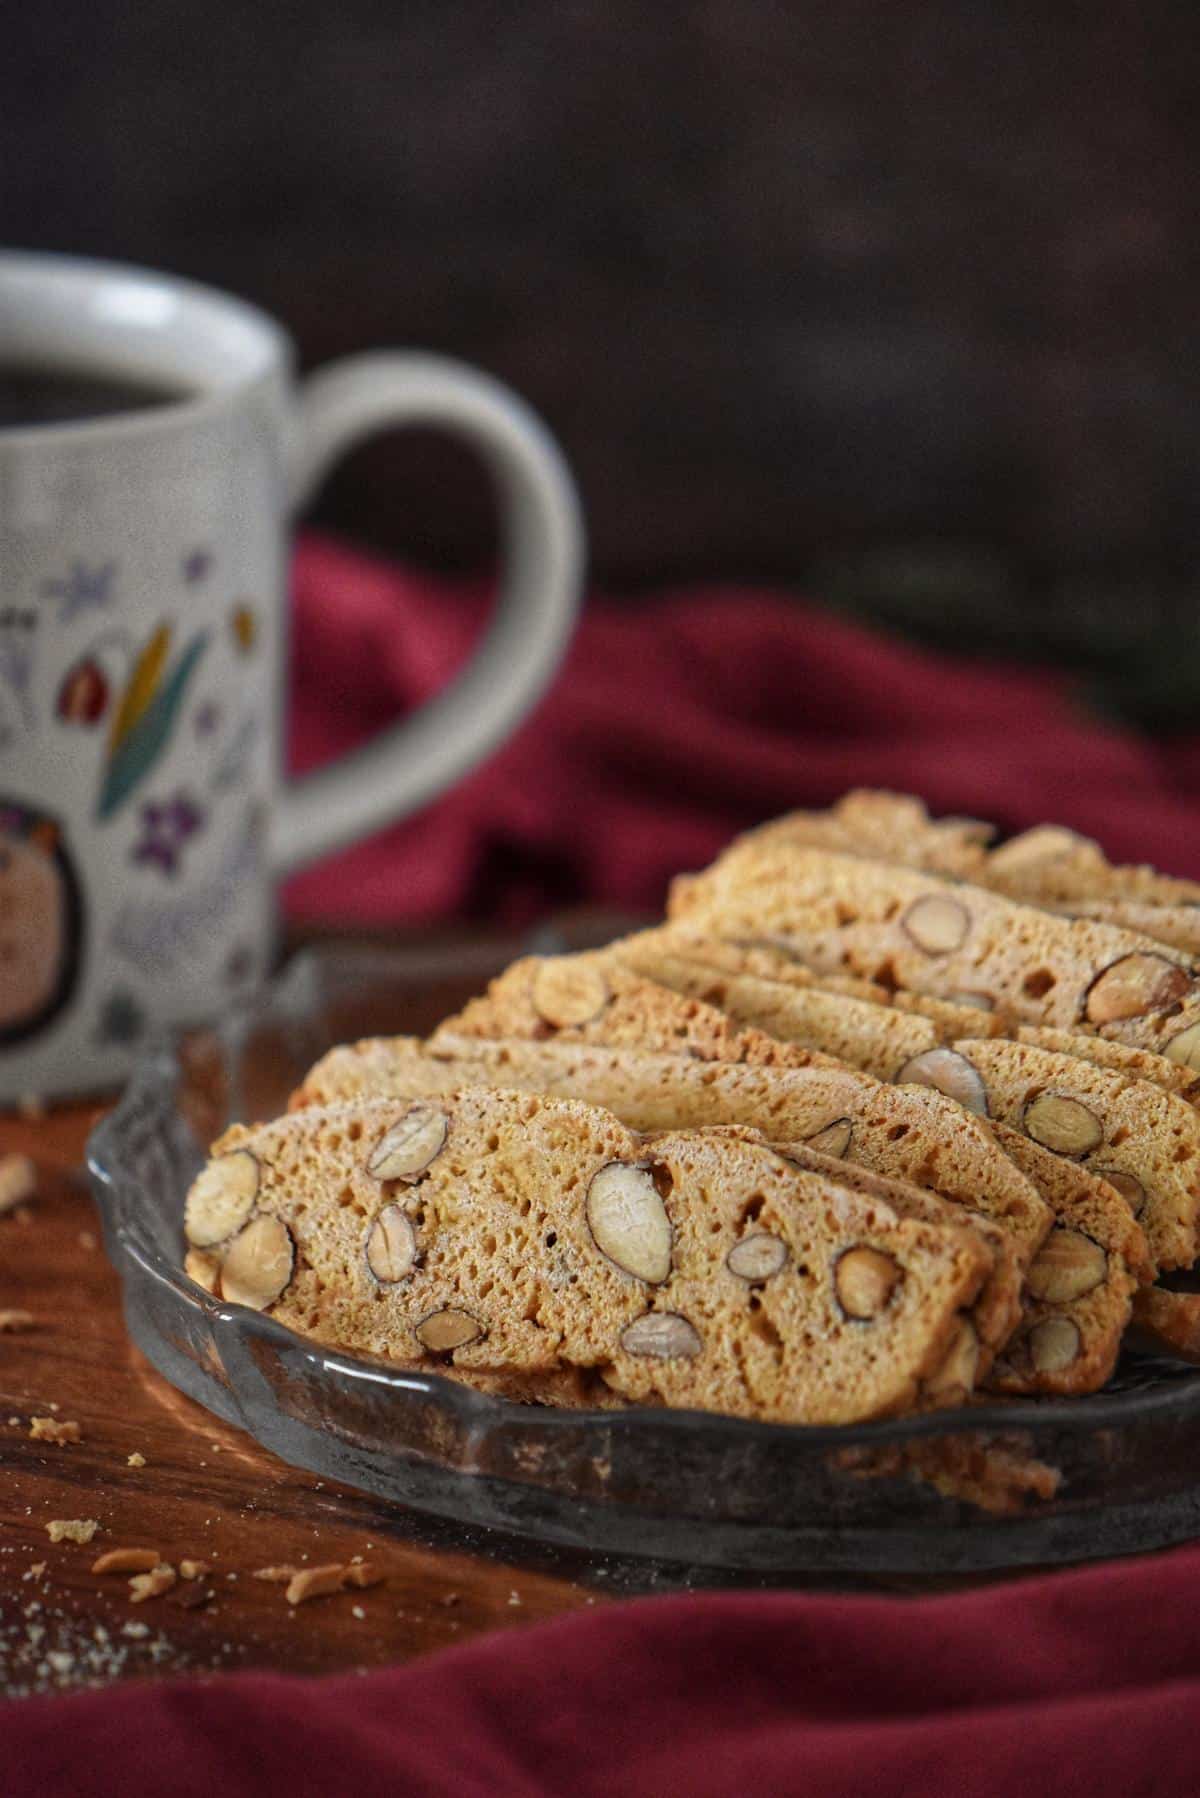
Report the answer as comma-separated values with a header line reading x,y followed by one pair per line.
x,y
206,1491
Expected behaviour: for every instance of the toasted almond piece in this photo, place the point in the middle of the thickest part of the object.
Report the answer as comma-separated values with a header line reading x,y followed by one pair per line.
x,y
1184,1048
194,1569
661,1335
1053,1344
629,1222
958,1369
49,1429
127,1560
72,1529
1130,1189
202,1267
363,1574
17,1320
937,924
834,1139
142,1586
409,1146
1063,1124
258,1268
391,1246
947,1072
221,1198
18,1181
315,1582
1133,986
135,1459
757,1257
864,1280
1067,1265
567,992
278,1575
448,1329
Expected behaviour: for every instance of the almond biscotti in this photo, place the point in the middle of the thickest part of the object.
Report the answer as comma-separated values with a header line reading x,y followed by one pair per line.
x,y
498,1231
909,929
906,1134
1121,1058
1167,1322
1050,865
1145,1142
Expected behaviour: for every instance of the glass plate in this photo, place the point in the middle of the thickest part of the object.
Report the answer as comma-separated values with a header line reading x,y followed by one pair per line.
x,y
1001,1485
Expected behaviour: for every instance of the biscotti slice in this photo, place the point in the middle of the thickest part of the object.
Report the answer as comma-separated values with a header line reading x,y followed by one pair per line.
x,y
594,998
893,827
913,930
1079,1289
1142,1140
1177,925
508,1231
1051,865
911,1135
1139,1064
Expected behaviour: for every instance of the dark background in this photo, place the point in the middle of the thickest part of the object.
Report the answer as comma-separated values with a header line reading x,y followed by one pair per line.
x,y
893,302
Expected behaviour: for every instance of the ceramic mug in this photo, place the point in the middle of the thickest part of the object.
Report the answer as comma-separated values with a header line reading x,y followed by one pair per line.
x,y
143,579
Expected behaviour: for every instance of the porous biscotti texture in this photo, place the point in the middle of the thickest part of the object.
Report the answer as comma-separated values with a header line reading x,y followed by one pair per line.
x,y
594,998
1144,1141
1051,865
508,1232
913,930
888,826
911,1135
1178,925
1079,1289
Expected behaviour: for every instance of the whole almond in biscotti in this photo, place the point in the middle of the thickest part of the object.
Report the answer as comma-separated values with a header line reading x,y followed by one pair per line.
x,y
912,1136
845,914
391,1247
221,1198
409,1146
257,1266
1110,1124
949,1072
511,1280
1086,1272
640,1012
567,992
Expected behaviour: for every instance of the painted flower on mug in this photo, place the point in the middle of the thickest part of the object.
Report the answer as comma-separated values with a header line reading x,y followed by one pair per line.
x,y
166,827
145,717
41,921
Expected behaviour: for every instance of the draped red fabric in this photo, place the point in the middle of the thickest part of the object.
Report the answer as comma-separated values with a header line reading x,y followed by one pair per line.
x,y
677,721
671,725
1080,1683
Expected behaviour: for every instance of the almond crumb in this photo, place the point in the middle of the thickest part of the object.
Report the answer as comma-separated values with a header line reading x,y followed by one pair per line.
x,y
18,1181
16,1320
48,1429
87,1239
151,1585
194,1569
361,1573
37,1568
281,1574
315,1582
127,1560
72,1529
357,1611
136,1460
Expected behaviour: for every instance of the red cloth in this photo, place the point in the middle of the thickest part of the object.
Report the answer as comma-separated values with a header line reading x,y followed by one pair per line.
x,y
1080,1684
677,721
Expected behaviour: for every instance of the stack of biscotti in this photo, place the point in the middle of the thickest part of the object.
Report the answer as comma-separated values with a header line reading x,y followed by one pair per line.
x,y
864,1017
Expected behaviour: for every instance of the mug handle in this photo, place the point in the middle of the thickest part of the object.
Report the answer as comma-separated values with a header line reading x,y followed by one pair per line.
x,y
542,534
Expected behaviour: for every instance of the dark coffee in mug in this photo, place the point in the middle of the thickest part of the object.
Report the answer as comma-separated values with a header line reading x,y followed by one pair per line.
x,y
43,396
